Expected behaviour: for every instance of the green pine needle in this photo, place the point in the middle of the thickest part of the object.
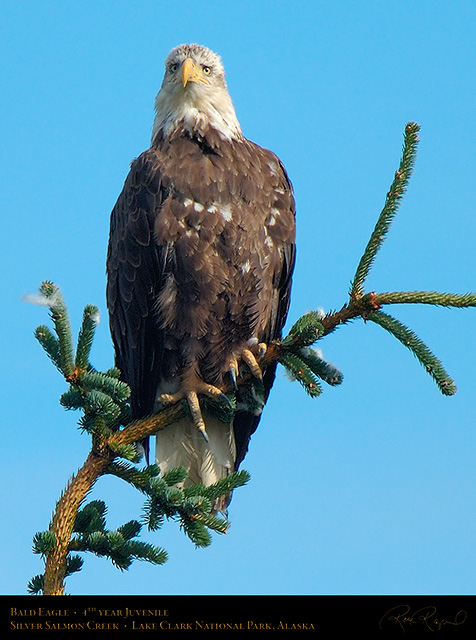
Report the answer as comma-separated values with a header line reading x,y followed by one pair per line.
x,y
72,399
111,386
392,202
60,316
128,452
175,476
138,478
300,371
74,563
173,496
130,529
322,368
113,372
197,504
101,404
153,515
44,542
97,542
458,300
197,533
50,344
408,338
91,518
220,525
86,336
306,330
146,551
35,585
220,488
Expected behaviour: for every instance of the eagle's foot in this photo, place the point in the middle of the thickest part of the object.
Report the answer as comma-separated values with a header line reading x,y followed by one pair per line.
x,y
251,355
191,397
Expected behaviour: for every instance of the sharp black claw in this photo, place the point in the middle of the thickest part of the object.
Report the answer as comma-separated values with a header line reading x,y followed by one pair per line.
x,y
205,435
232,373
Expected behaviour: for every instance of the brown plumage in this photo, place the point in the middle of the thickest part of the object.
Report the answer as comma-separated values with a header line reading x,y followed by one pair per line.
x,y
199,265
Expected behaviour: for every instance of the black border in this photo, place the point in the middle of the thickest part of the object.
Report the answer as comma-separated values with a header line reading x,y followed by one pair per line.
x,y
328,616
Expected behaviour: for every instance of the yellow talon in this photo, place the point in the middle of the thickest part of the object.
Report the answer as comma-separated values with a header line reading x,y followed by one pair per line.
x,y
249,358
262,348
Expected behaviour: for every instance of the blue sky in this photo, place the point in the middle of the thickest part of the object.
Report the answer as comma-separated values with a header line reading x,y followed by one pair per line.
x,y
369,489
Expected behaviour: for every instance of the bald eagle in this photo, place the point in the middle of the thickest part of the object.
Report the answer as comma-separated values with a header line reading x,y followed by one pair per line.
x,y
200,259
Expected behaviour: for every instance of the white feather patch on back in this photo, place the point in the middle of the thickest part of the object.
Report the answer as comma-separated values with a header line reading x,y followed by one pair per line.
x,y
225,211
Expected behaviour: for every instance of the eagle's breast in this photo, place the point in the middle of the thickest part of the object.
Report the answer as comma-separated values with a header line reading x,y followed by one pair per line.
x,y
226,214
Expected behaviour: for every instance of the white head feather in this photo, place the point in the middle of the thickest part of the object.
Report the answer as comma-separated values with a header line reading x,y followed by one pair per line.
x,y
203,102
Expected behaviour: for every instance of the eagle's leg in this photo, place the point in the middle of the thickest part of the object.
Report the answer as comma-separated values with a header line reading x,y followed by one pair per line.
x,y
189,392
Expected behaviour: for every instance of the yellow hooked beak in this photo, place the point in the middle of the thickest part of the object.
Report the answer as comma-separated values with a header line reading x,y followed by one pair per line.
x,y
192,73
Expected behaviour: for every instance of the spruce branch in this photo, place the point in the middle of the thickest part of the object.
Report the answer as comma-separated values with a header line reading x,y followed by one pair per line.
x,y
392,202
119,546
408,338
138,478
368,305
221,487
193,507
458,300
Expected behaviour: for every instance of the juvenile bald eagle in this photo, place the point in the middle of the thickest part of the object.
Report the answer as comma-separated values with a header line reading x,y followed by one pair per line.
x,y
199,266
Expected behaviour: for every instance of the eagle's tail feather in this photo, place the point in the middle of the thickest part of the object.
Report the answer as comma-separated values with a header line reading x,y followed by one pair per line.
x,y
181,445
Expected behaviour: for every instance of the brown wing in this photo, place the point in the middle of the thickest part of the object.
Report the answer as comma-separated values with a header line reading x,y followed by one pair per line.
x,y
135,267
245,423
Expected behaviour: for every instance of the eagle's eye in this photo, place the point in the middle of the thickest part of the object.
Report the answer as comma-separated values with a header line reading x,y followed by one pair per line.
x,y
173,68
206,70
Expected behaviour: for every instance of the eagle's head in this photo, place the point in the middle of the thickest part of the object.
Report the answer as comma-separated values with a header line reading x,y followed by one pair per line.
x,y
194,96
